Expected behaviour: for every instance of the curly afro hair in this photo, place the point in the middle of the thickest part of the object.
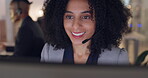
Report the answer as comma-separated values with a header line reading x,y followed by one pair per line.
x,y
111,18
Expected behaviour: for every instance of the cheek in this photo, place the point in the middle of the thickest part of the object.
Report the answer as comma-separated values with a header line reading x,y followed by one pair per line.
x,y
67,26
11,14
90,27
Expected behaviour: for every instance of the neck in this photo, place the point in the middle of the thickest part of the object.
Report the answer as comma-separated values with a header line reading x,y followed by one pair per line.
x,y
24,16
18,23
82,49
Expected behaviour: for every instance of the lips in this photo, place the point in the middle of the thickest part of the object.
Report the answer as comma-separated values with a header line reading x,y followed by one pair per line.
x,y
78,34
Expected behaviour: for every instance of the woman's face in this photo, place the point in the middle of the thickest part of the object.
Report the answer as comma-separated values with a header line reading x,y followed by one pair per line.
x,y
79,23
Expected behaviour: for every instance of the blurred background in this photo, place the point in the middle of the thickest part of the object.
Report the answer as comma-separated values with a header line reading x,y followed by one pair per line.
x,y
135,41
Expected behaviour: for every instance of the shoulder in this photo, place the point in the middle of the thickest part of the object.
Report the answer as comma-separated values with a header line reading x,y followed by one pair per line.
x,y
49,54
116,55
28,22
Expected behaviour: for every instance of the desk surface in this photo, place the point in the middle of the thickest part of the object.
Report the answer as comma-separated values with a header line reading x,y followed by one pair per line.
x,y
4,47
6,53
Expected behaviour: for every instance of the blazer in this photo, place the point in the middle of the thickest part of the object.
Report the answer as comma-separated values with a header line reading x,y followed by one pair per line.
x,y
29,41
115,56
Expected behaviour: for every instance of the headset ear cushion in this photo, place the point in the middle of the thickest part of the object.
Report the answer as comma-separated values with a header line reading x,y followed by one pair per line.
x,y
19,11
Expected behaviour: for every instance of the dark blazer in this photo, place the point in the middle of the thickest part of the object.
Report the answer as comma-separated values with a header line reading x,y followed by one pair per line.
x,y
29,41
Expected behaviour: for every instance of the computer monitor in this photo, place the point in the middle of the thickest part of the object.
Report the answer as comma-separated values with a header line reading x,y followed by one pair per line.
x,y
47,70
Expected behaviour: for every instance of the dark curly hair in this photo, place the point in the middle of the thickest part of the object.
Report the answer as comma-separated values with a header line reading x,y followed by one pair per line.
x,y
111,23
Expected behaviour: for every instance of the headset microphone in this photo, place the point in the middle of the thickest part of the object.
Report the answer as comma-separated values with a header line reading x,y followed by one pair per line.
x,y
83,42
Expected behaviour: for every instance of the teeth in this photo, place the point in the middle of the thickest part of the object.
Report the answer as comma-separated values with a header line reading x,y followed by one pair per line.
x,y
78,34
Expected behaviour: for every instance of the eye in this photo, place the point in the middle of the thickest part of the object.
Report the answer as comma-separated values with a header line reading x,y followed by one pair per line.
x,y
69,17
86,17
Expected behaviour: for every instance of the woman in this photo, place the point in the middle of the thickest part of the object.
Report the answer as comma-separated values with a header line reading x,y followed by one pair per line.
x,y
85,31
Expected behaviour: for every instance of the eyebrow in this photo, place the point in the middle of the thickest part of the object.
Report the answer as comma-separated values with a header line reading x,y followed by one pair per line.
x,y
87,12
81,12
68,12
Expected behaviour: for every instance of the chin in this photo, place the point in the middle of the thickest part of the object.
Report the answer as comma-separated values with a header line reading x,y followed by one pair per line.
x,y
77,43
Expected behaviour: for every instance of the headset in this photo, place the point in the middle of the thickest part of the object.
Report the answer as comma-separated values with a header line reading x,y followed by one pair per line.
x,y
19,10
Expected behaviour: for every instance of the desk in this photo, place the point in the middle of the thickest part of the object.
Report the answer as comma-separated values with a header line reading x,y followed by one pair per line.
x,y
6,53
6,48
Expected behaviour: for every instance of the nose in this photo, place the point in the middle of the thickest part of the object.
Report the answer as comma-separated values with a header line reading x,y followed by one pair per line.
x,y
76,24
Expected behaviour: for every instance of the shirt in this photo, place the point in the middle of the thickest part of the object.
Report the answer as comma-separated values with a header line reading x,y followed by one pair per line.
x,y
68,57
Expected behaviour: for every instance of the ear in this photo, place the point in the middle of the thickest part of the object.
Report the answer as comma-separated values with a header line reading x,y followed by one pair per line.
x,y
19,11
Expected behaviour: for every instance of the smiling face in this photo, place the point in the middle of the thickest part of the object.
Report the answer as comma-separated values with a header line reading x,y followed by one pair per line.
x,y
79,23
